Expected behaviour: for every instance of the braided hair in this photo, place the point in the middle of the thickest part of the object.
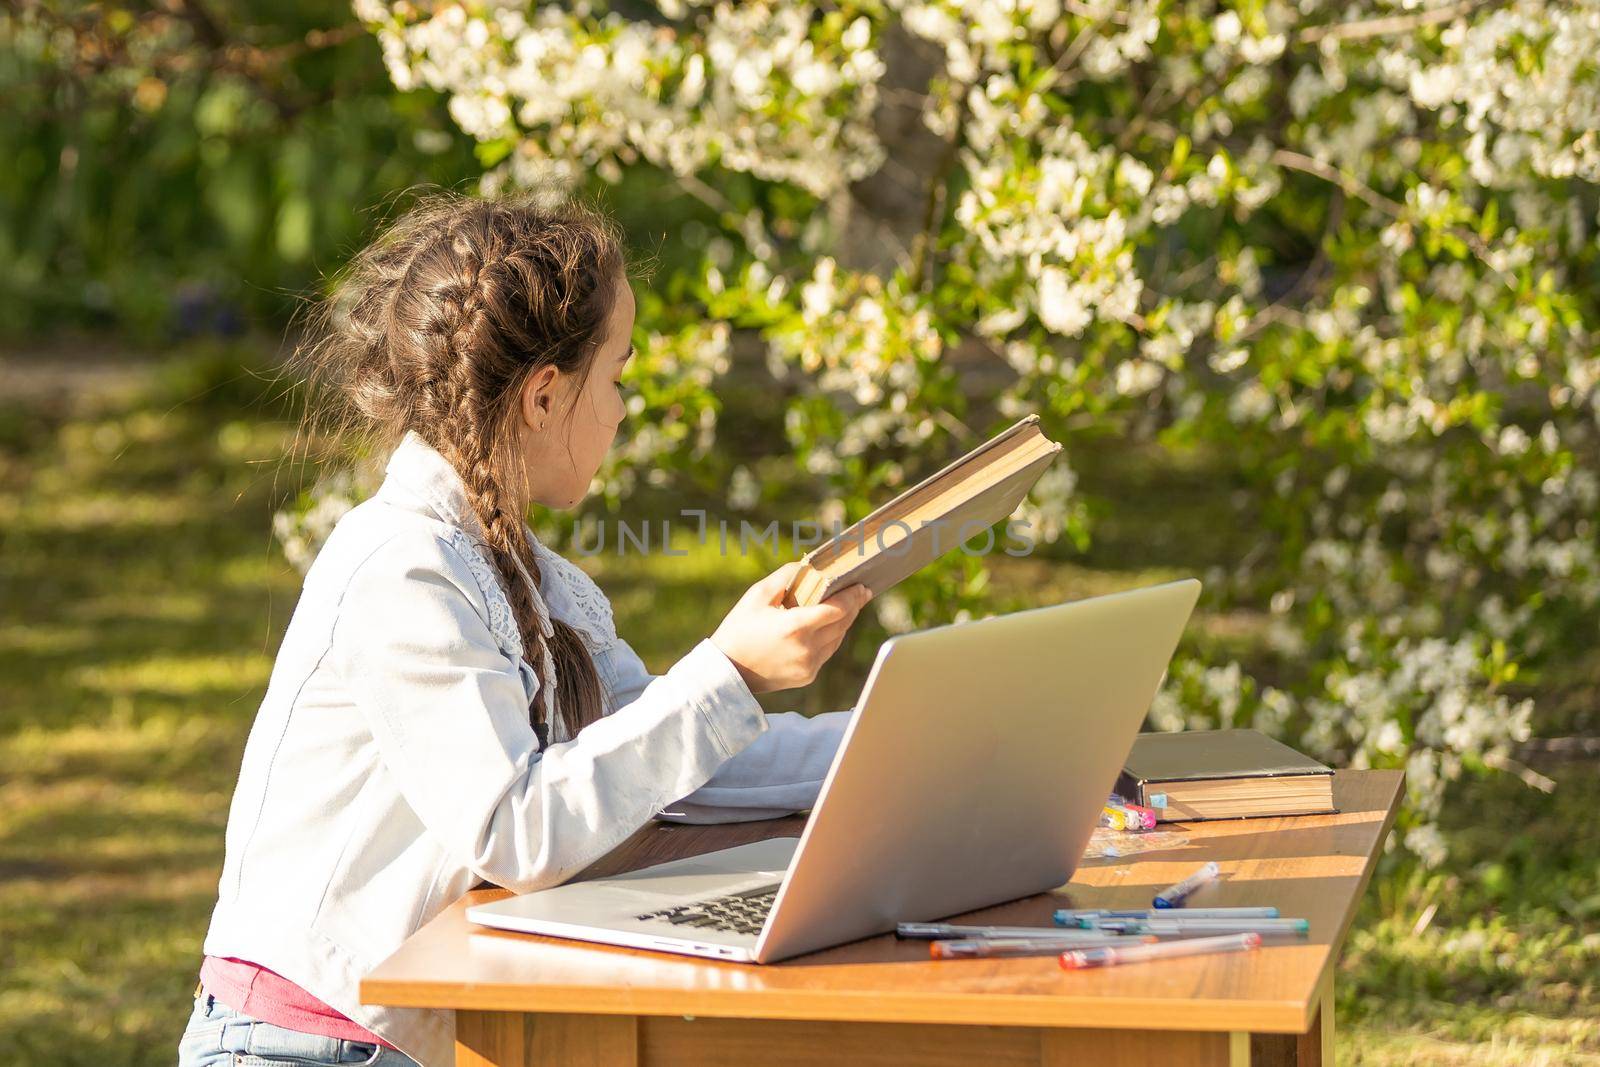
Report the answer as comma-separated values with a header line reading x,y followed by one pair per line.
x,y
434,328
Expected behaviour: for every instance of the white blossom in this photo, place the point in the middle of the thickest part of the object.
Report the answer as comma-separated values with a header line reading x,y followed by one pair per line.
x,y
1381,382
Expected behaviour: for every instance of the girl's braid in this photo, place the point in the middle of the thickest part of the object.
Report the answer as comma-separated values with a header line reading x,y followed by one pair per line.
x,y
435,328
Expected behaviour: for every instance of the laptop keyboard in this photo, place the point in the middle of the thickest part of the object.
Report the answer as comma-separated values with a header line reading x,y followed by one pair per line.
x,y
739,913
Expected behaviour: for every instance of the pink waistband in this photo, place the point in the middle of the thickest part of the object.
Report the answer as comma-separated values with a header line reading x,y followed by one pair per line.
x,y
272,998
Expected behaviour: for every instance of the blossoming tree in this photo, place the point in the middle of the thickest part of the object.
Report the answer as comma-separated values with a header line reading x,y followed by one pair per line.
x,y
1349,245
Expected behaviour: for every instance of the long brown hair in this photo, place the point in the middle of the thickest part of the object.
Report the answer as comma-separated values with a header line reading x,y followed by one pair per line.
x,y
434,327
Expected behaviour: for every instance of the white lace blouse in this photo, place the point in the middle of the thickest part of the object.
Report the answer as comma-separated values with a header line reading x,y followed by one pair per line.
x,y
391,766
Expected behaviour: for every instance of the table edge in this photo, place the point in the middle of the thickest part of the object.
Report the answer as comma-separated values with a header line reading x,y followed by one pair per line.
x,y
1391,812
1049,1012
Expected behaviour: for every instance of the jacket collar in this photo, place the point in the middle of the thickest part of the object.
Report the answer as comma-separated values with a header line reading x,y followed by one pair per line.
x,y
418,468
418,476
421,470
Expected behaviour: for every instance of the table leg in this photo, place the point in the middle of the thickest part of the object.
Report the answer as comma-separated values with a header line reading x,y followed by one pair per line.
x,y
491,1039
515,1039
1314,1048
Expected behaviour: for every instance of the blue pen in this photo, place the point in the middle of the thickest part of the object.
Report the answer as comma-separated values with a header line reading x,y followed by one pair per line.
x,y
1174,895
1178,926
1071,916
951,931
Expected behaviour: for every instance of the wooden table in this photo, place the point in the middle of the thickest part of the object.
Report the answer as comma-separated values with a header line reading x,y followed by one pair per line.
x,y
523,1000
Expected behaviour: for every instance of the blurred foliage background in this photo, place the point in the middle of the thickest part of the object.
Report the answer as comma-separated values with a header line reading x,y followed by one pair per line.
x,y
193,167
179,176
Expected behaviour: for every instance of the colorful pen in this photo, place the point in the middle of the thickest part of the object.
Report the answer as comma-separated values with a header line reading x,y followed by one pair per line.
x,y
1070,916
1174,895
977,948
947,931
1138,817
1108,956
1147,815
1297,927
1133,816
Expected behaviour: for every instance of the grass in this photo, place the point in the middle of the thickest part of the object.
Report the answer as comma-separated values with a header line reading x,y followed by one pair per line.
x,y
141,600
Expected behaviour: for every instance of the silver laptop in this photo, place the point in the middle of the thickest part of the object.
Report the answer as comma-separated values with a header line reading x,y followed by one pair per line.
x,y
972,772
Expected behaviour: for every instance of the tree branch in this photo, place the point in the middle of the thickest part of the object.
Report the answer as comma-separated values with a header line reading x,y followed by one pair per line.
x,y
1065,61
922,250
1349,183
1107,13
708,195
1388,26
1353,186
1529,776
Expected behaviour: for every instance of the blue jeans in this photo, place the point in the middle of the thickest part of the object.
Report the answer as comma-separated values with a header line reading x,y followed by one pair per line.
x,y
218,1036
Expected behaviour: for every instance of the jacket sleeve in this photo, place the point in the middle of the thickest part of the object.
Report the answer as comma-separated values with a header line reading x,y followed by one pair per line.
x,y
780,773
448,708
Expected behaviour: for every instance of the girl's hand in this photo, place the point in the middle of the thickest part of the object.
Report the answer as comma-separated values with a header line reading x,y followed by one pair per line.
x,y
775,647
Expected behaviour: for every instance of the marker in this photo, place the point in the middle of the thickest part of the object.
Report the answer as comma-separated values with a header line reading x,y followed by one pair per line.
x,y
1178,917
1137,816
1169,927
948,931
1084,958
1071,915
1173,896
1127,817
1146,815
978,948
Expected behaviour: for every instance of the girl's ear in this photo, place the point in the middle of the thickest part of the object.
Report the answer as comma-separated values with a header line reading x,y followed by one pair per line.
x,y
538,398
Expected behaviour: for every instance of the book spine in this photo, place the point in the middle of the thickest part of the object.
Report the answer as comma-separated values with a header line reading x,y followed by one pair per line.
x,y
816,588
791,595
803,592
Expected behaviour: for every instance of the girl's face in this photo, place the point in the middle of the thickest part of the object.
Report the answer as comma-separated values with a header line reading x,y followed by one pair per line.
x,y
569,420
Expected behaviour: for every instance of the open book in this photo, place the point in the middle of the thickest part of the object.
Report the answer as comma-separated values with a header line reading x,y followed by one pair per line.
x,y
931,518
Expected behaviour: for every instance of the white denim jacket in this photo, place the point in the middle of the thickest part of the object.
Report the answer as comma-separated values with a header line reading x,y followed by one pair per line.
x,y
391,766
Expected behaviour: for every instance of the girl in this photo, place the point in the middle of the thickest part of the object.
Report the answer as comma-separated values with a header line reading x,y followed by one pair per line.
x,y
451,703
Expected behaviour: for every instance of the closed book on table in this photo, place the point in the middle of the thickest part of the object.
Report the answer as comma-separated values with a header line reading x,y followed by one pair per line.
x,y
1223,774
931,518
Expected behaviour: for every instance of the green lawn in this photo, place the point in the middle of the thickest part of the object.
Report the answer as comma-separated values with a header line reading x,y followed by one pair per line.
x,y
141,599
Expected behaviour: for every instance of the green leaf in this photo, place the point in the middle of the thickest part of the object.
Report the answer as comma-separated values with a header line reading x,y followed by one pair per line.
x,y
491,152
